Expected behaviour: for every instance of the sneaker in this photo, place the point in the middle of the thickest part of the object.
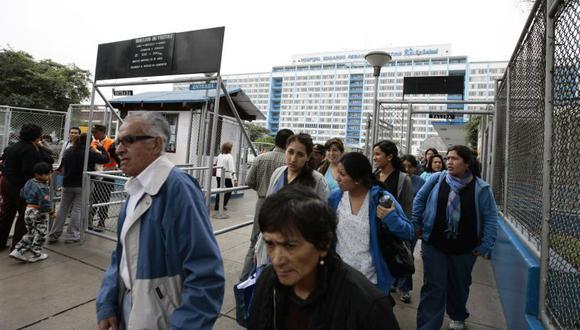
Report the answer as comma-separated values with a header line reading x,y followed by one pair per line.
x,y
456,325
405,297
39,257
98,229
52,239
17,255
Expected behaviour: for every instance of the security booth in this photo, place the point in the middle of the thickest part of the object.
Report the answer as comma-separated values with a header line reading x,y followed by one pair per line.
x,y
190,114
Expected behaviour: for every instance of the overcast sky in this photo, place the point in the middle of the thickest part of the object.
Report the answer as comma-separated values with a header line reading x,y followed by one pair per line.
x,y
261,34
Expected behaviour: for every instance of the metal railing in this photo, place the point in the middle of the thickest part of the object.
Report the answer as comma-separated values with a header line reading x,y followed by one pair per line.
x,y
535,161
105,193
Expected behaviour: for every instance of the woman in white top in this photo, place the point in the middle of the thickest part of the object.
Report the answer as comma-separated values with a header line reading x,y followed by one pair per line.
x,y
357,209
225,162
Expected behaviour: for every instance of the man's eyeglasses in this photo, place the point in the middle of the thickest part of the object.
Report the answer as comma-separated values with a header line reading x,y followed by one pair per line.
x,y
128,140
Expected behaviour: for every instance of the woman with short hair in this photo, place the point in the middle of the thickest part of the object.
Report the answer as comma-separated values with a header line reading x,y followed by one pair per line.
x,y
308,286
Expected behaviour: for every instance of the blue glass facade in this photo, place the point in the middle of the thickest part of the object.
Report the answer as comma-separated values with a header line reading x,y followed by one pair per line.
x,y
275,103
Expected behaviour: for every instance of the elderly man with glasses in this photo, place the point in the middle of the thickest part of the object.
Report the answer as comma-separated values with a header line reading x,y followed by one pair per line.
x,y
166,271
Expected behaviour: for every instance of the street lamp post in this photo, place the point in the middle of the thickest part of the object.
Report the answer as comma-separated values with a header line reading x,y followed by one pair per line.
x,y
376,59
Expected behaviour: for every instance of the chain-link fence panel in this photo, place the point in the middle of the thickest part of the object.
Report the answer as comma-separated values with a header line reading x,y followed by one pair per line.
x,y
106,198
526,127
52,123
499,146
563,284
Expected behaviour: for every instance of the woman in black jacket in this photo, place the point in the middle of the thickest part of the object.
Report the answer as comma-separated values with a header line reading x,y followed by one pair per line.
x,y
308,286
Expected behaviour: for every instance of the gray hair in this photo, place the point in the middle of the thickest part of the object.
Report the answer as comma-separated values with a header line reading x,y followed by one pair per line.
x,y
155,124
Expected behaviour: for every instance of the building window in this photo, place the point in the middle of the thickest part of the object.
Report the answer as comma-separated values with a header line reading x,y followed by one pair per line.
x,y
172,119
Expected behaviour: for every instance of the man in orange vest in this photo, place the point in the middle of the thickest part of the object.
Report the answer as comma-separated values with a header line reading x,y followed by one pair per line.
x,y
102,188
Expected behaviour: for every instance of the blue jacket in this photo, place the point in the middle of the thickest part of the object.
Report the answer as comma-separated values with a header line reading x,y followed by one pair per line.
x,y
397,222
425,211
37,193
175,267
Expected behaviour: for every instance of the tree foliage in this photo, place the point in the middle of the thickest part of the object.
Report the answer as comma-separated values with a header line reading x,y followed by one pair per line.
x,y
472,130
256,131
45,84
266,139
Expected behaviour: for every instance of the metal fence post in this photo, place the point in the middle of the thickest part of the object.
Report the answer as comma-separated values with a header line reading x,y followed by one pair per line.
x,y
507,142
547,165
409,128
214,141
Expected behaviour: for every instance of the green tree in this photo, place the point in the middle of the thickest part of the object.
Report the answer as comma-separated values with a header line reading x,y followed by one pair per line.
x,y
266,139
472,130
25,82
256,131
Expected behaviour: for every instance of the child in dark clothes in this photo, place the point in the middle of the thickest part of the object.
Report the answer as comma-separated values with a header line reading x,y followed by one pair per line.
x,y
38,210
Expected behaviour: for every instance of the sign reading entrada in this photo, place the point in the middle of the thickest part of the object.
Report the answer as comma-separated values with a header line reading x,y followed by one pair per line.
x,y
426,51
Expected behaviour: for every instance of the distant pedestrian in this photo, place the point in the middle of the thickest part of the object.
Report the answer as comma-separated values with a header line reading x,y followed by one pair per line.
x,y
317,157
225,164
435,164
258,178
428,154
72,169
102,187
19,160
456,216
329,168
38,209
411,167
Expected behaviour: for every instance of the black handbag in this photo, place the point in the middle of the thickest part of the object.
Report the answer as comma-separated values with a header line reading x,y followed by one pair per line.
x,y
396,252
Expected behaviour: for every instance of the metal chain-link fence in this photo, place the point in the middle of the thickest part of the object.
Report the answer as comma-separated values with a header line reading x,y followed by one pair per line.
x,y
521,97
526,127
563,285
52,123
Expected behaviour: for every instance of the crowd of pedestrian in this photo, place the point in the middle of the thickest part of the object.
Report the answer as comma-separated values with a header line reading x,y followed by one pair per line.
x,y
441,201
316,239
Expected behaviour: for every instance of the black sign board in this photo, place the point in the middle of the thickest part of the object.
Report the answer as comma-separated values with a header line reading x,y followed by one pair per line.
x,y
433,85
122,92
165,54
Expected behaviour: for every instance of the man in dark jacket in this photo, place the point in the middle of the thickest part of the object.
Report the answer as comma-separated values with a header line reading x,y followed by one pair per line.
x,y
19,159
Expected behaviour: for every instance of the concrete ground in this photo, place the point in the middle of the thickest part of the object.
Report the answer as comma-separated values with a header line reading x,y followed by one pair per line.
x,y
59,293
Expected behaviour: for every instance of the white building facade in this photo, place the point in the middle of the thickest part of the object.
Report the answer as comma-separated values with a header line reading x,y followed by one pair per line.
x,y
331,94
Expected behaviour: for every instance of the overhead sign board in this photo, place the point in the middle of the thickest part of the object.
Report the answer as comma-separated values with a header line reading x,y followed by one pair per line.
x,y
196,87
189,52
434,85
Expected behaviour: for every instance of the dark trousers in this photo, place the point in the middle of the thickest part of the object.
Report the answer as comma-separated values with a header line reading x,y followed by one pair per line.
x,y
446,283
227,195
101,194
405,284
11,204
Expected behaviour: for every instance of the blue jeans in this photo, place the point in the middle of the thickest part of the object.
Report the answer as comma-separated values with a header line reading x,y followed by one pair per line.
x,y
446,283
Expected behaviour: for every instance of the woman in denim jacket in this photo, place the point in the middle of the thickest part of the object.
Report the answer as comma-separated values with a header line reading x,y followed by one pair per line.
x,y
456,216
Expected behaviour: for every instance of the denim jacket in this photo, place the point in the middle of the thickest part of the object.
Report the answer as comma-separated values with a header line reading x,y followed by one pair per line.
x,y
36,192
425,211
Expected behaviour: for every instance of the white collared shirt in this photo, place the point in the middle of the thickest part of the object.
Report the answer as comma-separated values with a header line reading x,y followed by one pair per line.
x,y
137,186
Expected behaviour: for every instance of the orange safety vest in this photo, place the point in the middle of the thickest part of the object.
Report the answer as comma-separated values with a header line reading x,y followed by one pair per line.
x,y
107,142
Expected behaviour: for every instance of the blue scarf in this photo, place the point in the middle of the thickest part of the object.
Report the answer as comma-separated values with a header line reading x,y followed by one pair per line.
x,y
454,203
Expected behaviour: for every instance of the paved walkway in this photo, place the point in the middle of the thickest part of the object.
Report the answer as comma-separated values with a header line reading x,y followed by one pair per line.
x,y
59,293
